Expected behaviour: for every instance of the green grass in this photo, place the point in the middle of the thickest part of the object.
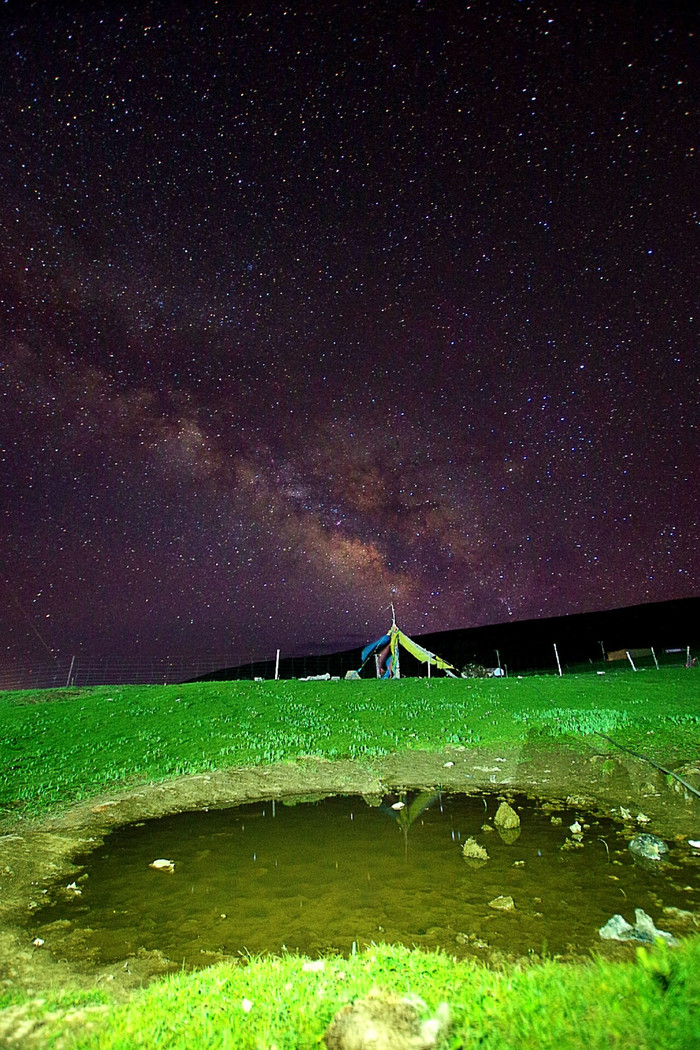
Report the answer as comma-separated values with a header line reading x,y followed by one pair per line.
x,y
650,1003
61,746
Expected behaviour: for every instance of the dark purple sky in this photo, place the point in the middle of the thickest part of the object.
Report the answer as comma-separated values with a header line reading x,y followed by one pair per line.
x,y
310,307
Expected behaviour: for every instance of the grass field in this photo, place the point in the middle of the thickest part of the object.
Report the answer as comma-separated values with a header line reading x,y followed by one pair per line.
x,y
63,746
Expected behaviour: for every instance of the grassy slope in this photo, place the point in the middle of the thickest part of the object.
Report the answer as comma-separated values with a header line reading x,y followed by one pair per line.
x,y
649,1003
653,1002
58,747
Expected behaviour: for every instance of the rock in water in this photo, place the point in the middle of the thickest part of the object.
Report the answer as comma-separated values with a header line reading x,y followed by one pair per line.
x,y
506,818
502,903
644,925
383,1022
473,851
644,930
163,865
648,846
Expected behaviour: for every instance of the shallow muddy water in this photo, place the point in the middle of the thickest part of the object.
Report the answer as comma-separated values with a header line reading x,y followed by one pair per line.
x,y
340,873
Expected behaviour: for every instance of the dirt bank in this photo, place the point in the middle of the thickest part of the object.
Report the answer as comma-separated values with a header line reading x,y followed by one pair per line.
x,y
33,854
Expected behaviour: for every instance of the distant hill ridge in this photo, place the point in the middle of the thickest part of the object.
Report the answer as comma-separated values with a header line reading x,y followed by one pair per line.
x,y
579,637
520,645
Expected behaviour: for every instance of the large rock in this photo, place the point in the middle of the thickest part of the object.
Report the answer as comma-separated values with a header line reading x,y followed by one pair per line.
x,y
383,1022
644,930
506,818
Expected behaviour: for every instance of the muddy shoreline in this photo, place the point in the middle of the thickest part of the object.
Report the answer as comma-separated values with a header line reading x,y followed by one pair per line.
x,y
35,853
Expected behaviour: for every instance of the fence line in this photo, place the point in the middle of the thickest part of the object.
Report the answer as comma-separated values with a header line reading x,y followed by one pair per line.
x,y
82,671
89,671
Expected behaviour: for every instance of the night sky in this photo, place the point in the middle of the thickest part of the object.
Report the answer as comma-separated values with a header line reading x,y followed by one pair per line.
x,y
312,307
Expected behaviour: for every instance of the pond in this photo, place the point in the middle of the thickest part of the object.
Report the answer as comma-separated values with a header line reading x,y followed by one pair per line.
x,y
339,873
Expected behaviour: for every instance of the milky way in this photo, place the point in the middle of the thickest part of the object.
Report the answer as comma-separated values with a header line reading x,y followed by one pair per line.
x,y
309,308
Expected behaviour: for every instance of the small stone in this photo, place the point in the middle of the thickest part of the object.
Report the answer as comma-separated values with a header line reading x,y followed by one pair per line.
x,y
162,865
471,939
502,903
471,850
580,801
313,966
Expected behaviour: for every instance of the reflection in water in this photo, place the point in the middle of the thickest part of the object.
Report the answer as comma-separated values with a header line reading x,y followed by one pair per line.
x,y
322,877
405,812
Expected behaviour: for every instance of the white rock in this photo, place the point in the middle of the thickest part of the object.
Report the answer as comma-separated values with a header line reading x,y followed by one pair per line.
x,y
163,865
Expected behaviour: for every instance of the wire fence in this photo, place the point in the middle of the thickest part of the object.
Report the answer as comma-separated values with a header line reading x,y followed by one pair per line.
x,y
89,671
82,671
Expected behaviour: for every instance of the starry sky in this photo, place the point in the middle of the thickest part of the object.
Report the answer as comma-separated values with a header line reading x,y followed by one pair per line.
x,y
312,307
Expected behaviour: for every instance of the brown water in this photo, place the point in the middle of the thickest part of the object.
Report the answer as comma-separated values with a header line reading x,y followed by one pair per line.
x,y
339,874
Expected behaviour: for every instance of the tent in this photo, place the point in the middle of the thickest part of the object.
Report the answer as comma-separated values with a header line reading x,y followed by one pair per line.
x,y
387,651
